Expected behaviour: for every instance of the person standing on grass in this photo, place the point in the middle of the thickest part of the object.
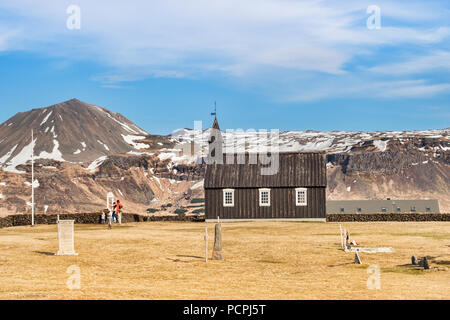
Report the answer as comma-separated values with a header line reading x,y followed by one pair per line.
x,y
118,210
114,216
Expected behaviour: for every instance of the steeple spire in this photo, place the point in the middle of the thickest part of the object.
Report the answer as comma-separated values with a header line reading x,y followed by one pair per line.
x,y
215,123
215,139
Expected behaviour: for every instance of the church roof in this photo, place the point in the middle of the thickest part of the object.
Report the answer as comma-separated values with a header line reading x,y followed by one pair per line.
x,y
216,124
296,169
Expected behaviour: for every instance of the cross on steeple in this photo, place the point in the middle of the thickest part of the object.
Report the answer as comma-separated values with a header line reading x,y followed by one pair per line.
x,y
215,110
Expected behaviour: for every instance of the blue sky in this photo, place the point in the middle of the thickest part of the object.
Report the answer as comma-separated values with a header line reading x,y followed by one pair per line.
x,y
273,64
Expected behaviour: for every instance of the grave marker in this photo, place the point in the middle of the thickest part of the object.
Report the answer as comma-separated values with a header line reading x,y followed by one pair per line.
x,y
357,259
66,237
217,251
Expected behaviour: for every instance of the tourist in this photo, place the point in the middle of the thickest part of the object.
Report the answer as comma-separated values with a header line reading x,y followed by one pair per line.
x,y
118,210
114,215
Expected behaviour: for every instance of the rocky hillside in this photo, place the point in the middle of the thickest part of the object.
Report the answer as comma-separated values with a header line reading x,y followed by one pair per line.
x,y
72,131
84,151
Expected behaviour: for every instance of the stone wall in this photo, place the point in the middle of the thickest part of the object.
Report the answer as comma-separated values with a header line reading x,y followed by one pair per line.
x,y
94,218
355,217
87,218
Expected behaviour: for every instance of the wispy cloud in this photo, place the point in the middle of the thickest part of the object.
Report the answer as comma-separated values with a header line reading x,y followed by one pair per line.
x,y
254,40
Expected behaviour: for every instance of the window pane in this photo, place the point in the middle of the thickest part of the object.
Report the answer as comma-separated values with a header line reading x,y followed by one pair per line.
x,y
301,197
228,196
264,197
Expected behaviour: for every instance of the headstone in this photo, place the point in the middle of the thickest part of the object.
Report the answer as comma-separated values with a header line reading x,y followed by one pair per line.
x,y
414,261
66,237
425,264
217,251
357,259
109,200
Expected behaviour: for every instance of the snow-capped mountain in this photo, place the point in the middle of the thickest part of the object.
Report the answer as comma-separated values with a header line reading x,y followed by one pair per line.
x,y
329,142
71,131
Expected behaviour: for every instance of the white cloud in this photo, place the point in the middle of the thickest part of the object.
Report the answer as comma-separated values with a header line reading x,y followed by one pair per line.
x,y
310,35
308,44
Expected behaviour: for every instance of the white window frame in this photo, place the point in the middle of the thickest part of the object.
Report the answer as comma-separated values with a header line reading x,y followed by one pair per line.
x,y
297,191
225,191
260,194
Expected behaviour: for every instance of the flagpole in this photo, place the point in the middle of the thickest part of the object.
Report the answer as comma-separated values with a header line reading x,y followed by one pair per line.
x,y
32,178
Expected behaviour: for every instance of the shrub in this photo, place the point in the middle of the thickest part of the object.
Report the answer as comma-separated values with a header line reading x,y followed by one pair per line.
x,y
152,210
198,200
198,211
180,212
165,206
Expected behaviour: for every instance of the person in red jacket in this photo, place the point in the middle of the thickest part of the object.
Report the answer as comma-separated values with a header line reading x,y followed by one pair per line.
x,y
118,210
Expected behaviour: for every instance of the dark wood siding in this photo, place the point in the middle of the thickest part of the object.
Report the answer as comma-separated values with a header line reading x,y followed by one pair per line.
x,y
246,204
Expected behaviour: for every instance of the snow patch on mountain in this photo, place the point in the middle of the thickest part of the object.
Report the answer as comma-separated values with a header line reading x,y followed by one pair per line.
x,y
380,144
124,125
21,158
8,155
130,139
55,154
96,163
46,118
104,145
198,185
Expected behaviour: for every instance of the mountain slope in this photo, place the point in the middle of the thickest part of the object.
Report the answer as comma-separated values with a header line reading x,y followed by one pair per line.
x,y
72,131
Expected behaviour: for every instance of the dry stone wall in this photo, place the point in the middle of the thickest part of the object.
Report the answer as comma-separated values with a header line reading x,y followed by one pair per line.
x,y
87,218
416,217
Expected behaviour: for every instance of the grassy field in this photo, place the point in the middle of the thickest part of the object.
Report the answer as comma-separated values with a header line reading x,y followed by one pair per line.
x,y
263,260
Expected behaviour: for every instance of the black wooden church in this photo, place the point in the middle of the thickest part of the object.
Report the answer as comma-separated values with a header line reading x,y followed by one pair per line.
x,y
238,189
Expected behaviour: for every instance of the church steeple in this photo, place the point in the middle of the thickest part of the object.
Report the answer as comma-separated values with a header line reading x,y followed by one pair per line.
x,y
216,123
215,141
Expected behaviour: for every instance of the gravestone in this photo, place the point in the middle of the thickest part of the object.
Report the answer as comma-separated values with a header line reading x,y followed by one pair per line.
x,y
66,237
424,263
414,261
357,259
217,251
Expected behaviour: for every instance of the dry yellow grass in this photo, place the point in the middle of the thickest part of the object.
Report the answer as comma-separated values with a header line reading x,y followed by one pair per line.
x,y
263,260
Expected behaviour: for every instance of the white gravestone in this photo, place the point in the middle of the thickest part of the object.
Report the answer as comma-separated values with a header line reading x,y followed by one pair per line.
x,y
109,206
66,237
